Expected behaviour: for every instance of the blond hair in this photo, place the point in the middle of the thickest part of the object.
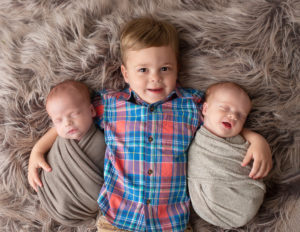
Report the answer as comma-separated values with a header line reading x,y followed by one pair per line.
x,y
147,32
70,85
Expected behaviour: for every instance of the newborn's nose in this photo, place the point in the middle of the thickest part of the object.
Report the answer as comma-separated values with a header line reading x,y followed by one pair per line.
x,y
68,122
232,116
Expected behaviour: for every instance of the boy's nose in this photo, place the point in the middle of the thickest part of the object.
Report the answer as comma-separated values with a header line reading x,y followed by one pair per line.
x,y
155,77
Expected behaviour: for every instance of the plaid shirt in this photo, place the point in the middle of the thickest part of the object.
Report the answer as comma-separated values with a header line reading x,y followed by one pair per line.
x,y
145,186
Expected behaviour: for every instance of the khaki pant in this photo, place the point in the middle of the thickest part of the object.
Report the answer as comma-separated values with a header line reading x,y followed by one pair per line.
x,y
104,226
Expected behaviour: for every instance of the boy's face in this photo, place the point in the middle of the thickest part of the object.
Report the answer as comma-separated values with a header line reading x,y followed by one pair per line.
x,y
151,72
71,116
225,112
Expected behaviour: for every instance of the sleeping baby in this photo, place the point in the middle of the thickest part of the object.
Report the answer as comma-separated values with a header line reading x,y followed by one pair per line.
x,y
69,193
221,191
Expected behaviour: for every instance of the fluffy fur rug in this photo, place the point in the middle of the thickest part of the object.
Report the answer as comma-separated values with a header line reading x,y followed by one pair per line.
x,y
255,43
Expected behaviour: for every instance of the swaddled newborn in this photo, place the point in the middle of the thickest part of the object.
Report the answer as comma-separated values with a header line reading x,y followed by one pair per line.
x,y
70,190
221,191
69,193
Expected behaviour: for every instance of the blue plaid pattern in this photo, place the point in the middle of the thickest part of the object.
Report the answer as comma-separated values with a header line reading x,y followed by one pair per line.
x,y
145,185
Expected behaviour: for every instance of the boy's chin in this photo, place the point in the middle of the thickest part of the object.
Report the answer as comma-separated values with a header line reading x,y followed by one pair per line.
x,y
156,99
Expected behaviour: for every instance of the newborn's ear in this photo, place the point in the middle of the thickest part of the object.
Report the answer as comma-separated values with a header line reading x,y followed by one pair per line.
x,y
204,108
93,111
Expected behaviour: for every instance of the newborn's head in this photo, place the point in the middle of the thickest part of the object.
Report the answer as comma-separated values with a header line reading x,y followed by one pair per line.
x,y
69,107
226,109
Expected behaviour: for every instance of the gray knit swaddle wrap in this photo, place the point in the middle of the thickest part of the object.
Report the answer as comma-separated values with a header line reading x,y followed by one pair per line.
x,y
221,191
70,191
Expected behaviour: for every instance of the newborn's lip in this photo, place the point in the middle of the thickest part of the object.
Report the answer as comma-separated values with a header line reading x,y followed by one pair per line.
x,y
72,131
227,125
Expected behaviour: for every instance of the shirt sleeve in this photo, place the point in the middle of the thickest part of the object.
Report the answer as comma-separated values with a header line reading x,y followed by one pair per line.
x,y
98,103
199,98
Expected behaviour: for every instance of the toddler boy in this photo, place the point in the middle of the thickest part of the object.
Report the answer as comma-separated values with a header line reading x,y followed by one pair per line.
x,y
148,128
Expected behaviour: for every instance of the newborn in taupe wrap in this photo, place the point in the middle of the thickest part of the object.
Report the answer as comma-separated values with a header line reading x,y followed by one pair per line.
x,y
221,191
71,189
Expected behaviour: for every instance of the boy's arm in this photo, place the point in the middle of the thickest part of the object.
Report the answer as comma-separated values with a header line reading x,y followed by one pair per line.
x,y
37,158
259,150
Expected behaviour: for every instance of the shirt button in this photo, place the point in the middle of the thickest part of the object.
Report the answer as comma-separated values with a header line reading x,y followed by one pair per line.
x,y
152,108
150,172
148,202
150,139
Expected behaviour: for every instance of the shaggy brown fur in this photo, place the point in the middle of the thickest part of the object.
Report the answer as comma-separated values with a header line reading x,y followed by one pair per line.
x,y
254,43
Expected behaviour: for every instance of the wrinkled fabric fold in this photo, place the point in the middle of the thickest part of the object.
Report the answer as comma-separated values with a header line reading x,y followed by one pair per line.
x,y
221,191
70,191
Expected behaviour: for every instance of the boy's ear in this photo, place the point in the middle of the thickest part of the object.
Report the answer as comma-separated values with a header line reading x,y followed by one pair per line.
x,y
124,73
204,108
178,67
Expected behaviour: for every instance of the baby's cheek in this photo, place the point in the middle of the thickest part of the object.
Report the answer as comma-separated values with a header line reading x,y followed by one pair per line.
x,y
60,132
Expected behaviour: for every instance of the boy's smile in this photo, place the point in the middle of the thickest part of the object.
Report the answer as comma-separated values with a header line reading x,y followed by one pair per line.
x,y
151,72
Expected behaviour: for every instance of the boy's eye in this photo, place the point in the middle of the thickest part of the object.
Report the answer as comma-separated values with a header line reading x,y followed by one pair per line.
x,y
164,69
142,70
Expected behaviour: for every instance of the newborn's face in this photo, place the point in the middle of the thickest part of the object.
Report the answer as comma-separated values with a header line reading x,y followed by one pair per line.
x,y
71,117
225,112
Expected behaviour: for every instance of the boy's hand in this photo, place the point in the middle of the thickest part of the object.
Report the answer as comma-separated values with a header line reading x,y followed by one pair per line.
x,y
259,150
262,163
36,161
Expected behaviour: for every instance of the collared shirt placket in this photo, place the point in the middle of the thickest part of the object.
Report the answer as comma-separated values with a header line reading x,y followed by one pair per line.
x,y
150,155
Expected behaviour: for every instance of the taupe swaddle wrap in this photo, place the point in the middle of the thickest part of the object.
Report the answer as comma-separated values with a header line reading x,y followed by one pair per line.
x,y
70,191
221,191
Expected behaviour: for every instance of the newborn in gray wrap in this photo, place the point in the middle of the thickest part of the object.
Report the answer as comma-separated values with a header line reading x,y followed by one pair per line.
x,y
221,191
70,191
